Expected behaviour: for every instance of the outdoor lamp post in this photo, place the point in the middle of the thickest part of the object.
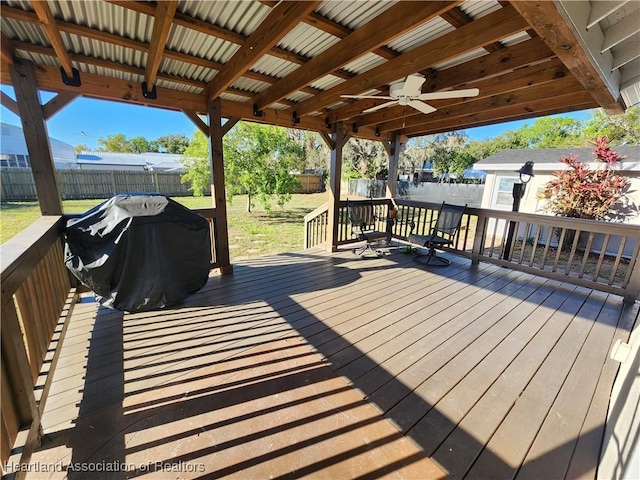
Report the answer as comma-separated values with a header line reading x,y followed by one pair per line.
x,y
526,174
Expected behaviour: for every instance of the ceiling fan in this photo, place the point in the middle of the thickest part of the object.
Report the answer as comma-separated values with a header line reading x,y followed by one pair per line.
x,y
408,92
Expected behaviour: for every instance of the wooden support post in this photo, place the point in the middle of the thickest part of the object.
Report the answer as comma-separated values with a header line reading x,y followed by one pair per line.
x,y
394,160
218,195
36,137
335,173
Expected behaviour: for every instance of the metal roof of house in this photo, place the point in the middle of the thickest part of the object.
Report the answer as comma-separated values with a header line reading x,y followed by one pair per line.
x,y
162,161
291,62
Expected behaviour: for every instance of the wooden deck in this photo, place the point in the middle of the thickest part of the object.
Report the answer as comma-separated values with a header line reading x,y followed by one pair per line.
x,y
328,366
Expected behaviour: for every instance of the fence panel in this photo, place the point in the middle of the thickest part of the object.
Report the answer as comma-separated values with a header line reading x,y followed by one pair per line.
x,y
18,185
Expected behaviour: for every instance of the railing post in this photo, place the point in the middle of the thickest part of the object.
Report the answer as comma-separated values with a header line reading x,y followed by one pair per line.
x,y
478,239
632,289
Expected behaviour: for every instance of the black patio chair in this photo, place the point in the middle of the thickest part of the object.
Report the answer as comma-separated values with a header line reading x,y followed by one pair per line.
x,y
363,226
442,233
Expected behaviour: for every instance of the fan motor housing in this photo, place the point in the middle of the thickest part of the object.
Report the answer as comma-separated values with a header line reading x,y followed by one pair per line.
x,y
395,90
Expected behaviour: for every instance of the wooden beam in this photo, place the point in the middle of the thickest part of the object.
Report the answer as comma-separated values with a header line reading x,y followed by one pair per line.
x,y
394,161
36,136
524,78
328,140
161,26
106,37
545,19
7,48
57,103
218,195
53,34
97,86
9,103
521,96
503,61
389,25
197,121
99,62
335,175
506,112
230,123
457,18
278,23
488,29
207,28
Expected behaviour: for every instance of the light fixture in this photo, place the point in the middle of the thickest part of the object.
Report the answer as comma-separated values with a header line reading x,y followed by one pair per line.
x,y
526,172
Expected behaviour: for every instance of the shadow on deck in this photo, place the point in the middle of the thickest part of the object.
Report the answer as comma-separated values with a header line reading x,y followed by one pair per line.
x,y
302,364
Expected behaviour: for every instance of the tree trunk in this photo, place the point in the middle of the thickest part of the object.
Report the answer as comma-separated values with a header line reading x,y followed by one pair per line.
x,y
248,203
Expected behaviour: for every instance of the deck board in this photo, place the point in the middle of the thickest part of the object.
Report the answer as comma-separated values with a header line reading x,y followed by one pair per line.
x,y
325,365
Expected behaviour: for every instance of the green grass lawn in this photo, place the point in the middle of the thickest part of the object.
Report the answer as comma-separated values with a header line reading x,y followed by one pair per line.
x,y
250,234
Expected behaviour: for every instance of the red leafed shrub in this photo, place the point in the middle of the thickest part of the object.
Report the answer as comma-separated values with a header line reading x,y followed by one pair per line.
x,y
582,192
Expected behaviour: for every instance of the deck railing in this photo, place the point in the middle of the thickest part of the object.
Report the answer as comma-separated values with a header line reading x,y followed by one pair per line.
x,y
37,296
599,255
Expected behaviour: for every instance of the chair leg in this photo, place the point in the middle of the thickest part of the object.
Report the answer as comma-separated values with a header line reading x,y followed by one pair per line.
x,y
431,259
362,249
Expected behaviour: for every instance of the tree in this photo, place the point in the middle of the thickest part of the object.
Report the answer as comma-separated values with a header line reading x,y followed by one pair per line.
x,y
258,160
196,163
582,192
363,158
552,132
445,154
171,144
138,145
621,129
414,154
114,143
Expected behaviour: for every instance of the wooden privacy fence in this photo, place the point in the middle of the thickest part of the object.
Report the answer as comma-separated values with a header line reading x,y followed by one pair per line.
x,y
17,183
593,254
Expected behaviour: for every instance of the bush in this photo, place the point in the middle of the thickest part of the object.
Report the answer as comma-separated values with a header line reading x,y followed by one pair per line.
x,y
582,192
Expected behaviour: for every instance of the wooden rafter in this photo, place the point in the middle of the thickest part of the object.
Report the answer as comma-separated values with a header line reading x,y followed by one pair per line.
x,y
278,23
381,30
335,29
542,74
53,34
161,26
523,96
500,62
213,30
507,113
487,29
508,72
549,24
8,49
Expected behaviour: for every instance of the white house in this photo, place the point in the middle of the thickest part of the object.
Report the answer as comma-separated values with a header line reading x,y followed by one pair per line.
x,y
13,149
501,175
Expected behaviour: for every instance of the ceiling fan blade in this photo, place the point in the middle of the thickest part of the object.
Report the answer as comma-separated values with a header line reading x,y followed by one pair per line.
x,y
469,92
423,107
380,107
412,84
367,96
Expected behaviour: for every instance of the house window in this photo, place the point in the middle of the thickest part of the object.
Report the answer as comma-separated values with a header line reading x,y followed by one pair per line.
x,y
503,194
11,160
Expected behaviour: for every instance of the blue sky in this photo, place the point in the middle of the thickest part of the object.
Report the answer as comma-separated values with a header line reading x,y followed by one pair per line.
x,y
85,120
